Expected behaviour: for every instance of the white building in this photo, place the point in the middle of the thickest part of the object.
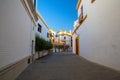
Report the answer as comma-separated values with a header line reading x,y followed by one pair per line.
x,y
96,35
42,29
17,22
64,37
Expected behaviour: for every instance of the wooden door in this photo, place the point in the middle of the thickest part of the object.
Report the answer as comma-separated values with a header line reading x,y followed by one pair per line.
x,y
77,45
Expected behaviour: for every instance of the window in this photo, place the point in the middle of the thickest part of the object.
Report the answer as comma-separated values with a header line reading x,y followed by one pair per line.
x,y
82,11
56,35
47,35
81,15
32,47
92,1
39,28
71,41
53,34
64,37
34,3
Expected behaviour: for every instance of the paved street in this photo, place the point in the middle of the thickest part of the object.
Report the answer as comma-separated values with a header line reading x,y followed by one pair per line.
x,y
66,66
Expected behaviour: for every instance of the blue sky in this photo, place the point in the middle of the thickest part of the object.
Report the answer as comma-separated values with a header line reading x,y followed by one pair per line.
x,y
58,14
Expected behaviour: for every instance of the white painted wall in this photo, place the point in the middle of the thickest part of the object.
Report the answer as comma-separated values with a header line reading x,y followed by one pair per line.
x,y
15,32
61,37
73,43
100,33
33,31
68,40
44,31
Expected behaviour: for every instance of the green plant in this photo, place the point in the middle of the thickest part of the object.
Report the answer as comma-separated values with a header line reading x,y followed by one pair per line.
x,y
42,44
48,45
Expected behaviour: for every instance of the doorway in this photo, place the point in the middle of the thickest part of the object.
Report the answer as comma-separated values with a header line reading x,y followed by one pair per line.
x,y
32,50
77,45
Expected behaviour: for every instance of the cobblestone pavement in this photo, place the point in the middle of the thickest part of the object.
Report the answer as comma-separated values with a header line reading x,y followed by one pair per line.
x,y
66,66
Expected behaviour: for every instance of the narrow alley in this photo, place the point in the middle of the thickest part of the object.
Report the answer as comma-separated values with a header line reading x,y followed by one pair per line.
x,y
66,66
59,39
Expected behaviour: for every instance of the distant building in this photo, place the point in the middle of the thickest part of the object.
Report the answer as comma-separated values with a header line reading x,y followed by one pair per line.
x,y
52,34
64,38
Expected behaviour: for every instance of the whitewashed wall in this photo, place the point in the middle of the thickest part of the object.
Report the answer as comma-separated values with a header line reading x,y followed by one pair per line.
x,y
100,33
44,31
73,43
61,37
15,32
68,40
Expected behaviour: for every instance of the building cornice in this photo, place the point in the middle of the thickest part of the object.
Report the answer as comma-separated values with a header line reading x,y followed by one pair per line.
x,y
31,12
64,33
32,8
78,4
40,17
